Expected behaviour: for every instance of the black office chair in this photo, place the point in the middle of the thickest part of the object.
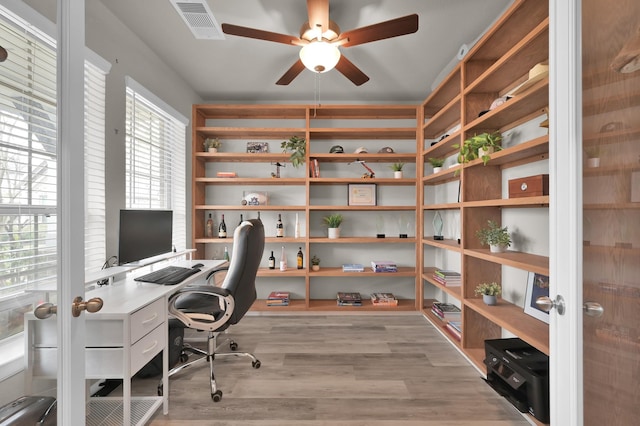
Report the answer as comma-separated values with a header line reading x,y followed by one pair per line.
x,y
213,309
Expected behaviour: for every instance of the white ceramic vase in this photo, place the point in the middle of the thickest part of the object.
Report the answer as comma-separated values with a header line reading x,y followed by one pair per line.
x,y
593,162
494,248
398,174
437,169
490,300
213,149
482,152
334,233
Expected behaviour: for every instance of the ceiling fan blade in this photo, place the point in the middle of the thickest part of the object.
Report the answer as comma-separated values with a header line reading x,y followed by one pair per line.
x,y
259,34
380,31
291,73
318,14
349,70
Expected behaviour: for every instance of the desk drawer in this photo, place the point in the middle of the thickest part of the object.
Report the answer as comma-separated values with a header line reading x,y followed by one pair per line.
x,y
146,348
146,319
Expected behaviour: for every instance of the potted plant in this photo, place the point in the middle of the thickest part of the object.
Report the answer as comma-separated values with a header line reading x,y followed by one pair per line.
x,y
315,263
298,149
333,222
489,292
593,156
437,164
397,170
496,237
479,146
211,144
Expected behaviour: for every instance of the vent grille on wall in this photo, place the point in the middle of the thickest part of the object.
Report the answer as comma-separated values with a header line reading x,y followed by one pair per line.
x,y
199,18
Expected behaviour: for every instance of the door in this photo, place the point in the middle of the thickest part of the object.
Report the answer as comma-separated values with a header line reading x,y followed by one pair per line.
x,y
595,345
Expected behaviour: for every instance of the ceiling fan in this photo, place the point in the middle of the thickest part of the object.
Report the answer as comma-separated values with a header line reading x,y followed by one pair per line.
x,y
320,38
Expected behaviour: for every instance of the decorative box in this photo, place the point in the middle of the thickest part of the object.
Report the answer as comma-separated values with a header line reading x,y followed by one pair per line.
x,y
530,186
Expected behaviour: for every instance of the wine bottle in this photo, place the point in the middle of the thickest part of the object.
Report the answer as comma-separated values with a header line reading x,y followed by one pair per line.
x,y
296,231
222,229
226,254
209,227
272,261
299,258
240,223
259,217
279,227
283,261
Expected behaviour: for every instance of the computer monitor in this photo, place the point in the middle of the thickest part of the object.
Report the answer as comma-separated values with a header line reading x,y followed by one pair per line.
x,y
143,234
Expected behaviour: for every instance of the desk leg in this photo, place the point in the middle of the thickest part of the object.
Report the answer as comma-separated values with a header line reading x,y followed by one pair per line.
x,y
165,362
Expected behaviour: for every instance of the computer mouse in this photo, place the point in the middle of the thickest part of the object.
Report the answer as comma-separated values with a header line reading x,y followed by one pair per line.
x,y
197,265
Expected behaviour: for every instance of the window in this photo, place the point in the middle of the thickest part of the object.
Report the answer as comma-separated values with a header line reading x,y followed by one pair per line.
x,y
28,169
155,157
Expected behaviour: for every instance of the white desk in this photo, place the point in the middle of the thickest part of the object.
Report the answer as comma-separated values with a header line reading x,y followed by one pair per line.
x,y
129,330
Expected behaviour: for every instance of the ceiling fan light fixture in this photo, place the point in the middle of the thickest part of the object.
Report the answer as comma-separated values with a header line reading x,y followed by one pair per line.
x,y
319,56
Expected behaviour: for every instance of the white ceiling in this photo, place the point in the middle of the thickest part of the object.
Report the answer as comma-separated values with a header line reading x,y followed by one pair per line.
x,y
238,69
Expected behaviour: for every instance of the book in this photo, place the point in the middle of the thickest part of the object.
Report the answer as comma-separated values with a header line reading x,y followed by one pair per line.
x,y
384,266
352,267
383,299
445,311
226,174
349,299
278,298
455,333
447,277
316,167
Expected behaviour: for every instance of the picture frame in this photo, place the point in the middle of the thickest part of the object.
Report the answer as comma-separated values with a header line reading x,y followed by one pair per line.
x,y
362,194
257,147
537,286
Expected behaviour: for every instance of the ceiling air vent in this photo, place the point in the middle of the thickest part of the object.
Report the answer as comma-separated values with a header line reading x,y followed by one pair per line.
x,y
198,17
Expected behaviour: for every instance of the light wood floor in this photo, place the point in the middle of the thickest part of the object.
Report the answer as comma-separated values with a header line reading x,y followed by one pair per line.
x,y
349,370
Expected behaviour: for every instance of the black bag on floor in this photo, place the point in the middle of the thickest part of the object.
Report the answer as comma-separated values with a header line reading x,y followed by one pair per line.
x,y
154,367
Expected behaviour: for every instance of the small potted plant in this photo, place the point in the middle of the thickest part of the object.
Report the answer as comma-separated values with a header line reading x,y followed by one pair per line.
x,y
489,292
495,236
593,156
397,170
298,149
333,222
479,146
315,263
436,163
211,144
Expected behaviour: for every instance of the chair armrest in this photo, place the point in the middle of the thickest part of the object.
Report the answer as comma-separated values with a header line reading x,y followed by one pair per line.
x,y
210,279
202,320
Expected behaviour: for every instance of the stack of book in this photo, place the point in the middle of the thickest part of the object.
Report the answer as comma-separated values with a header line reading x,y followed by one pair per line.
x,y
278,298
447,278
383,299
446,311
349,299
352,267
454,328
383,266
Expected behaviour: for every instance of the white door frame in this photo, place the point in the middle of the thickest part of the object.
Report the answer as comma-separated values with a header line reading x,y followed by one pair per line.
x,y
565,211
71,394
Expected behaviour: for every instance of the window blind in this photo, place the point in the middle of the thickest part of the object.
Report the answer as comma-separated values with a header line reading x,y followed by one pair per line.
x,y
155,160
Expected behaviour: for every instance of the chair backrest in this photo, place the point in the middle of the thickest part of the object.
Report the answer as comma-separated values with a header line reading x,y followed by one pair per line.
x,y
240,281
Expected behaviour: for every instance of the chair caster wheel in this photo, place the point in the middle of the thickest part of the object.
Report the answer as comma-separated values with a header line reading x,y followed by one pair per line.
x,y
233,346
184,357
256,364
160,389
216,396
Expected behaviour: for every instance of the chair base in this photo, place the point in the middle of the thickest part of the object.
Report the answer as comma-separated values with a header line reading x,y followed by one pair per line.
x,y
209,356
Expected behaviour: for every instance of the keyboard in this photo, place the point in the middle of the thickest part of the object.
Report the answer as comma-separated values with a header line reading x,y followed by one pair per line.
x,y
169,275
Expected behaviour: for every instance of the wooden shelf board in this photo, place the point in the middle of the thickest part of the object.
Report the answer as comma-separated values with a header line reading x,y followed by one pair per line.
x,y
610,170
611,249
614,103
379,181
440,325
362,208
541,201
405,157
404,305
443,120
443,176
363,133
250,208
534,150
290,272
444,148
251,132
445,244
611,137
448,89
516,259
251,111
616,206
240,157
455,291
403,271
251,181
388,112
512,318
297,305
205,240
443,206
362,240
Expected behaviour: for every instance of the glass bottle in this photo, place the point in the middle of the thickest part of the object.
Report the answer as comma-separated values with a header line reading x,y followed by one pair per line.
x,y
222,229
272,261
209,227
226,254
279,227
296,231
299,258
283,261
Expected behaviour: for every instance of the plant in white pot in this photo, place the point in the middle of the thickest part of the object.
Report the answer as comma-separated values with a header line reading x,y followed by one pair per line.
x,y
593,156
211,144
489,292
333,222
437,164
315,263
495,236
479,146
397,170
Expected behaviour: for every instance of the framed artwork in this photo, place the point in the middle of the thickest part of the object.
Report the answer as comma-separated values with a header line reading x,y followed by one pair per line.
x,y
257,147
537,286
362,194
